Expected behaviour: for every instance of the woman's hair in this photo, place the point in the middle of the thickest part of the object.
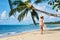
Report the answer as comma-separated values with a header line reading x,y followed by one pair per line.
x,y
41,17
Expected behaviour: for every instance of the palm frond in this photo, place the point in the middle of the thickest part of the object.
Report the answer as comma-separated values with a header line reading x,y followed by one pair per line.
x,y
12,12
17,9
10,4
21,16
29,1
18,2
55,4
37,1
33,18
20,8
27,11
35,14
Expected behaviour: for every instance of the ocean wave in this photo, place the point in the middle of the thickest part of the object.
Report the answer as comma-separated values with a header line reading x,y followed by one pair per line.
x,y
8,34
15,33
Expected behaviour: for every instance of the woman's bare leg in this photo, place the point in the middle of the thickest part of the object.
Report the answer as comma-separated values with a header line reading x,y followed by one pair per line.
x,y
41,29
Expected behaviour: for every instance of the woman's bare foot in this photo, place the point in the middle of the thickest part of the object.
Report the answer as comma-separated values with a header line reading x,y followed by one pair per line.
x,y
41,32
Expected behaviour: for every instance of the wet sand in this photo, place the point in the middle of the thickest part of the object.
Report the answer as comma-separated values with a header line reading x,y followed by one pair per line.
x,y
35,35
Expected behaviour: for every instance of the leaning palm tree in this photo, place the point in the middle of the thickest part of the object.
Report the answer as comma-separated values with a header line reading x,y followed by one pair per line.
x,y
26,6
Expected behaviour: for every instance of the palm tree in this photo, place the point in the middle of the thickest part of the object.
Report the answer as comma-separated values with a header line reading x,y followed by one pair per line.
x,y
55,4
24,7
10,3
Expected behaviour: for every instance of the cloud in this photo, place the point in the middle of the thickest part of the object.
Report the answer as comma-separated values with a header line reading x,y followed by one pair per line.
x,y
12,17
40,7
3,15
51,17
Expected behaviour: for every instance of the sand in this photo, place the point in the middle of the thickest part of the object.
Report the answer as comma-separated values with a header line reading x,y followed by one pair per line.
x,y
35,35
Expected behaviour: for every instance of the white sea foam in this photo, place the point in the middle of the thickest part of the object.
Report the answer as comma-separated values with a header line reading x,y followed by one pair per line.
x,y
8,34
12,33
15,33
1,35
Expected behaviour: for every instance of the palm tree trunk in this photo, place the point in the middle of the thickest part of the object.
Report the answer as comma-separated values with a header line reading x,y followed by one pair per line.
x,y
50,14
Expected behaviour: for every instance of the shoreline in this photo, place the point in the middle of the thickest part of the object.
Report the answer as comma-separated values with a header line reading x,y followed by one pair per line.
x,y
35,35
14,34
9,35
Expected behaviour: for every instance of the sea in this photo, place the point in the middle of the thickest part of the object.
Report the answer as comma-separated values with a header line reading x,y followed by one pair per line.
x,y
10,30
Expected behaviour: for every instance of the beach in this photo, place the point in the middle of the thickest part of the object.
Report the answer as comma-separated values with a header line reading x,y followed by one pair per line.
x,y
35,35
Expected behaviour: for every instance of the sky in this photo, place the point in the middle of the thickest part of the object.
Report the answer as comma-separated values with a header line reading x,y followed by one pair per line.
x,y
6,20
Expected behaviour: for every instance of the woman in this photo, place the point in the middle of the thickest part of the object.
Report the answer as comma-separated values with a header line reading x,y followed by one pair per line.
x,y
41,24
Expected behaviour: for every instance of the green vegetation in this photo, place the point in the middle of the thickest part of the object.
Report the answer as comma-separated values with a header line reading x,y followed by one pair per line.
x,y
58,22
24,7
55,4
